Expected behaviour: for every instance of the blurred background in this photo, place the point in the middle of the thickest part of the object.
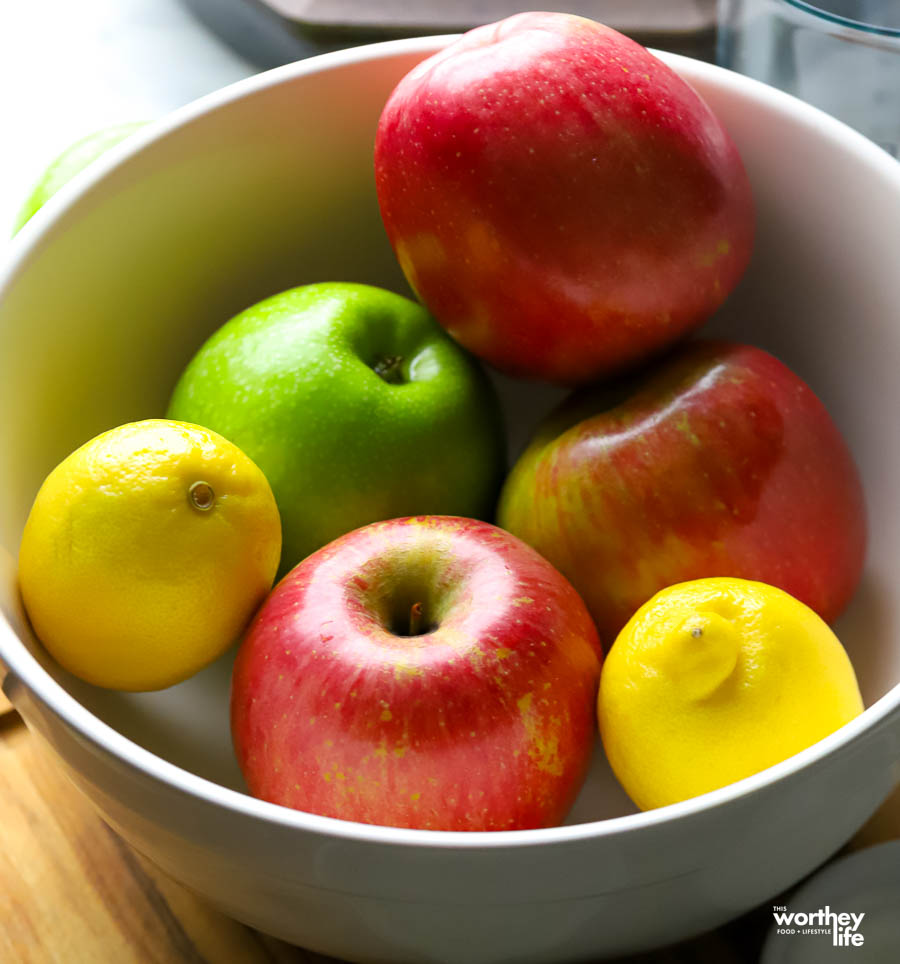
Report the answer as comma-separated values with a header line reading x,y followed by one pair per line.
x,y
67,68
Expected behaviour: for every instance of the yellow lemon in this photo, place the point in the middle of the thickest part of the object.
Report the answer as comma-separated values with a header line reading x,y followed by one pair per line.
x,y
146,552
714,680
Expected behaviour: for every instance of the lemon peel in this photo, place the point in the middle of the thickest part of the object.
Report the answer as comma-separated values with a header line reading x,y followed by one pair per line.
x,y
146,552
716,679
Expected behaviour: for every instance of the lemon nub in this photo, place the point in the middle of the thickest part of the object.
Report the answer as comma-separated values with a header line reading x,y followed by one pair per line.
x,y
202,496
705,653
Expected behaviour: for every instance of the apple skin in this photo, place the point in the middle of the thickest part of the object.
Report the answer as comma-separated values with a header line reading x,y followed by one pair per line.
x,y
73,160
562,201
485,722
719,461
356,405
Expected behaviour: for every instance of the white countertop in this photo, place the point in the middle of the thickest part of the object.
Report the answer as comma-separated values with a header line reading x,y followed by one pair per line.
x,y
68,68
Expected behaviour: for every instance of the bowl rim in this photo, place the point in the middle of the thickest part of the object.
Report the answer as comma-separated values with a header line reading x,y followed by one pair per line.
x,y
24,668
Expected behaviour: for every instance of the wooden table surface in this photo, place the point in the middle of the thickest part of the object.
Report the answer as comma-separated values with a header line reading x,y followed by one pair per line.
x,y
72,892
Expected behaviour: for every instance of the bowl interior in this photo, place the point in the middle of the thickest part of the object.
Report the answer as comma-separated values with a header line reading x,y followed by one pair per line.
x,y
269,184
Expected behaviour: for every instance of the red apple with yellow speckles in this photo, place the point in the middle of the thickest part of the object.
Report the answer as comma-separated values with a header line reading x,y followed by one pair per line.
x,y
561,200
430,672
720,461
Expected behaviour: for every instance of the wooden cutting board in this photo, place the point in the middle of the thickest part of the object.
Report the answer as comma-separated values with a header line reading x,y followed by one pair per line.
x,y
72,892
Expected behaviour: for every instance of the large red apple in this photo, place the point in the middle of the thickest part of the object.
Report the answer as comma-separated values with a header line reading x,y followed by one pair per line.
x,y
718,462
429,672
560,199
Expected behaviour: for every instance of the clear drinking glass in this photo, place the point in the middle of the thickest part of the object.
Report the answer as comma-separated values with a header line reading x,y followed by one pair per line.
x,y
840,55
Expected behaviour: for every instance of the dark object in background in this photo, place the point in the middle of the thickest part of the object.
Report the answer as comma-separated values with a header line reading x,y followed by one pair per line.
x,y
274,32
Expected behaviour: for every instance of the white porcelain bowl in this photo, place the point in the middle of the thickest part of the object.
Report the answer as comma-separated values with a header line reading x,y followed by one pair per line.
x,y
268,184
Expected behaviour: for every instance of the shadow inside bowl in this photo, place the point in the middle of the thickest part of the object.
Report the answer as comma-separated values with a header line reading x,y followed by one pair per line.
x,y
188,725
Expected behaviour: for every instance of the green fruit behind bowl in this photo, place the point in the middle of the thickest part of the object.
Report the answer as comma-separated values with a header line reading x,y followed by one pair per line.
x,y
73,160
356,405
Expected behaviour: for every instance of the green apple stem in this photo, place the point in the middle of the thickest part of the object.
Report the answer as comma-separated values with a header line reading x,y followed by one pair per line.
x,y
415,619
388,368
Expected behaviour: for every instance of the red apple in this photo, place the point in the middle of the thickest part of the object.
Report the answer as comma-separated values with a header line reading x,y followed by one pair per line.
x,y
720,461
429,672
561,200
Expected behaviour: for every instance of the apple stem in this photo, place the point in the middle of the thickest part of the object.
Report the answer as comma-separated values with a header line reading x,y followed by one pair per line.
x,y
415,619
388,368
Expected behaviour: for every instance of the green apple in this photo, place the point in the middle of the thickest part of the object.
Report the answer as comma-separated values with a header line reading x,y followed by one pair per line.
x,y
72,161
356,405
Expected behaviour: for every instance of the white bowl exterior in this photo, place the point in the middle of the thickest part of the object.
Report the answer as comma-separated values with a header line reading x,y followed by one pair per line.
x,y
587,895
268,184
